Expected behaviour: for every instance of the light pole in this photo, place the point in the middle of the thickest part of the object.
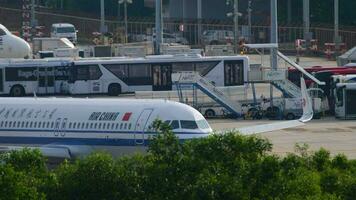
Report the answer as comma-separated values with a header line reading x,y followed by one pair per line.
x,y
336,27
249,12
102,17
125,2
158,29
235,14
200,16
236,25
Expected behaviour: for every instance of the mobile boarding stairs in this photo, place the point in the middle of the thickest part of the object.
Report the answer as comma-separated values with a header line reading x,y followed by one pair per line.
x,y
191,78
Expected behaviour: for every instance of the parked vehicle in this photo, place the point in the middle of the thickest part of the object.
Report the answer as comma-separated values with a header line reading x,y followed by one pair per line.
x,y
216,37
64,30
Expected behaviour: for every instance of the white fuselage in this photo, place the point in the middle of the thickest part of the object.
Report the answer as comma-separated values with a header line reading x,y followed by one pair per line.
x,y
119,126
12,46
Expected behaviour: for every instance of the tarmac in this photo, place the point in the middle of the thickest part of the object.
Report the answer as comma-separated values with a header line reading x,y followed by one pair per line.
x,y
337,136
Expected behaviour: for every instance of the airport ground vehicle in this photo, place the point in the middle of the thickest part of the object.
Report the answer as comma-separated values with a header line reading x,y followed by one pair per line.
x,y
152,73
114,75
64,30
21,77
344,90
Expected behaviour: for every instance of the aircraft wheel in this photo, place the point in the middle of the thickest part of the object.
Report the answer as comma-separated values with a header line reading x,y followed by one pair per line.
x,y
290,116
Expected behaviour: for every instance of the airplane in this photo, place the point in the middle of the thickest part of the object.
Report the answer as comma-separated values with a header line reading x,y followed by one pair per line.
x,y
12,46
67,128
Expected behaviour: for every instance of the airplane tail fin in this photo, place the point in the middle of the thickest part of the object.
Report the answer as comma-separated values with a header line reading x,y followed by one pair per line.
x,y
306,103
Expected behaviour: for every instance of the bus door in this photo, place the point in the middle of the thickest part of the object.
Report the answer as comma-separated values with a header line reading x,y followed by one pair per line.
x,y
233,73
162,77
46,80
141,126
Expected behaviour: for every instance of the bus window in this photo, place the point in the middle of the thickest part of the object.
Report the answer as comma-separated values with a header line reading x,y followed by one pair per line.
x,y
139,74
340,96
120,71
82,73
183,66
94,72
205,67
61,73
1,81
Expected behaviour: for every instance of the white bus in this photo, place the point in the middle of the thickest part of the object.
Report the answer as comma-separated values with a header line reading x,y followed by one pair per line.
x,y
24,77
152,73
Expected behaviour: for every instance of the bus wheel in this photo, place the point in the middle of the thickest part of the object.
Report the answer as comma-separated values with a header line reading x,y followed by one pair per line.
x,y
114,89
17,91
210,113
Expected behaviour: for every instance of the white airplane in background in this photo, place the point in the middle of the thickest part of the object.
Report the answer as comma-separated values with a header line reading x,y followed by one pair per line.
x,y
12,46
68,127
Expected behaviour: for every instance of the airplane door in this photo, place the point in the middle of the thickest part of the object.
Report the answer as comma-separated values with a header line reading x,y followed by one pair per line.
x,y
141,126
46,80
57,127
63,127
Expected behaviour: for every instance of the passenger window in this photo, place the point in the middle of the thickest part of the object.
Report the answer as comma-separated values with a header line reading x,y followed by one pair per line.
x,y
2,123
78,125
18,124
83,125
22,125
39,124
35,125
117,126
107,126
27,124
125,126
74,125
129,126
188,124
100,126
44,125
86,125
52,125
112,126
10,123
95,125
6,124
91,125
121,125
175,124
31,123
70,125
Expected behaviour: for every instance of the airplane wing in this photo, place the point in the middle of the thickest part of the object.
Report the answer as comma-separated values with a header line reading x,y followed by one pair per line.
x,y
306,117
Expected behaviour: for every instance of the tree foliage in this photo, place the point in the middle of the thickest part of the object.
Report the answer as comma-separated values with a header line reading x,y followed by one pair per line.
x,y
228,166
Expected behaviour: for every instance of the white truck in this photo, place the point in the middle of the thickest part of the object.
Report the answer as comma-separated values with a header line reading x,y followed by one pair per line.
x,y
64,30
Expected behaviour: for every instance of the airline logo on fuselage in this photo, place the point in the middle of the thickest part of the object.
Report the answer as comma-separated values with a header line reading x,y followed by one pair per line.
x,y
104,116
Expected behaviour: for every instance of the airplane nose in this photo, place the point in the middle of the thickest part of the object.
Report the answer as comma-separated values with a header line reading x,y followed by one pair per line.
x,y
23,48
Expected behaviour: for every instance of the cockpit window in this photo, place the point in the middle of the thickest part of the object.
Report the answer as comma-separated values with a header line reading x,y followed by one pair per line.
x,y
2,32
188,124
203,124
175,124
